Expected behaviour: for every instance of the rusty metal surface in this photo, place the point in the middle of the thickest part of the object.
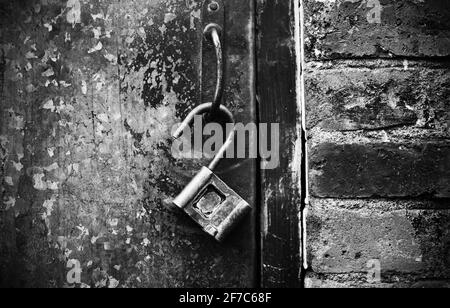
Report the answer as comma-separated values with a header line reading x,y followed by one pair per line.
x,y
89,93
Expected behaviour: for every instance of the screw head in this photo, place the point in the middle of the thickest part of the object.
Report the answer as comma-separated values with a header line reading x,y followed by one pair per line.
x,y
213,6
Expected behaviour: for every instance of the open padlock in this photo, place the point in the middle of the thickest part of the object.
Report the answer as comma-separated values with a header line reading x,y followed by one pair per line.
x,y
207,199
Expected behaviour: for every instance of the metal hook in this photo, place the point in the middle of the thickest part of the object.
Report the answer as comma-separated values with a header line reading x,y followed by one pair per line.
x,y
213,31
201,110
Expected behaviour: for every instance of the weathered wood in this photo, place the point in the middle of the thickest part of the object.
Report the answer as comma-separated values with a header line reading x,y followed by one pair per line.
x,y
280,197
91,91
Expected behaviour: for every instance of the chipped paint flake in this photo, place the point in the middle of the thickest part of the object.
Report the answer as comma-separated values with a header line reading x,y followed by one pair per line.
x,y
49,105
169,17
74,13
163,29
84,87
96,48
97,16
113,283
52,167
28,67
145,242
30,55
9,181
48,73
49,27
64,84
97,32
48,205
38,183
10,203
18,166
52,185
51,152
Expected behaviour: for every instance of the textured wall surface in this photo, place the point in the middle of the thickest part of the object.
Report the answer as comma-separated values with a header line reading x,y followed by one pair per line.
x,y
89,93
378,114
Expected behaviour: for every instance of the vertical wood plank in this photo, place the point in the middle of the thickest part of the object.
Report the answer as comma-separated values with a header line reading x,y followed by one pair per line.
x,y
280,191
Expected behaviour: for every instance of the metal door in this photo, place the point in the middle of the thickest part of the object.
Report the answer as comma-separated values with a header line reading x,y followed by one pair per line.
x,y
89,93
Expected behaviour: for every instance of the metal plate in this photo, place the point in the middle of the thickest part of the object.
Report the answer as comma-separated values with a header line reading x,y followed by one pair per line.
x,y
90,91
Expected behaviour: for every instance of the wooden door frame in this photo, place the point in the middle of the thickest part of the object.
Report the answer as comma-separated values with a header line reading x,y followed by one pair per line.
x,y
283,190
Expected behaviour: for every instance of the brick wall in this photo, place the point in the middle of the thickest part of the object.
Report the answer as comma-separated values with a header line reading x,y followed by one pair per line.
x,y
377,80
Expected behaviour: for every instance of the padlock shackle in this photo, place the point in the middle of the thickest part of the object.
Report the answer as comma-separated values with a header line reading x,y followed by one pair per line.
x,y
201,109
222,150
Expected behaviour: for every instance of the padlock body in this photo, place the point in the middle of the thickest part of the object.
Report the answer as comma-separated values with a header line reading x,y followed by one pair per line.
x,y
212,204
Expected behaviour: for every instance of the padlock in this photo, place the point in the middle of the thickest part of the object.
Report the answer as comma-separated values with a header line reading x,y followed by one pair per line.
x,y
207,199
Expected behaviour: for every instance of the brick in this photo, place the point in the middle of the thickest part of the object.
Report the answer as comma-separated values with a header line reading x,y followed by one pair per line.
x,y
377,28
415,242
356,98
313,281
380,170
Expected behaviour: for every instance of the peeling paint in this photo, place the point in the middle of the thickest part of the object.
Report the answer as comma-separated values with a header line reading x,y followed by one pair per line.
x,y
9,181
94,91
74,14
10,203
48,206
49,105
96,48
39,184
